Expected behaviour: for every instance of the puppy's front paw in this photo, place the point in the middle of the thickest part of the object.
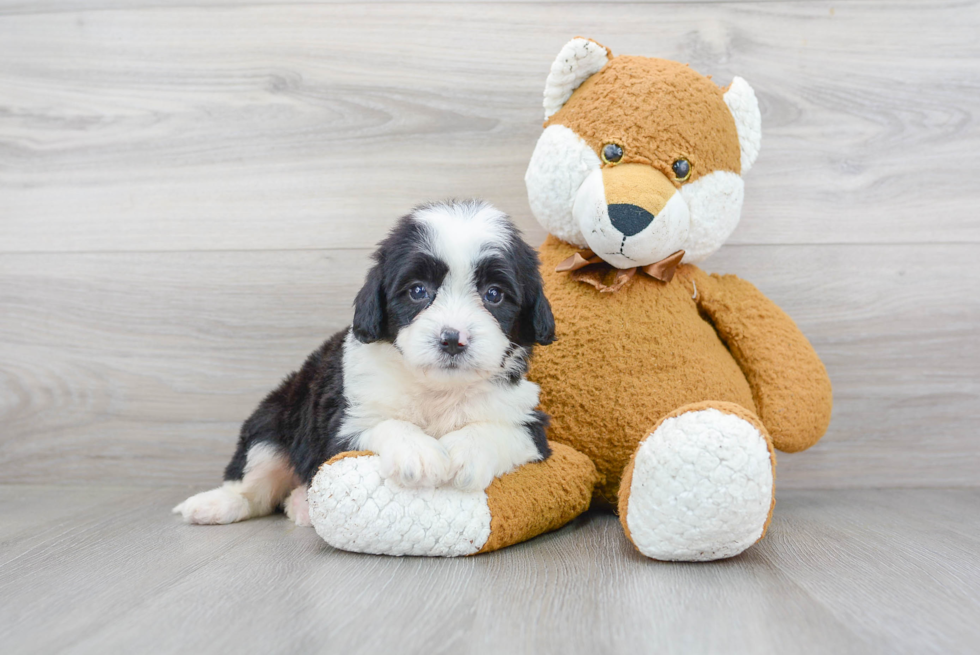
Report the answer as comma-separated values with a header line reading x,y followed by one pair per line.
x,y
415,461
473,465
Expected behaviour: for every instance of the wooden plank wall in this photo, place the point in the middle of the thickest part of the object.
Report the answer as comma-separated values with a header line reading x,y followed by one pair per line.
x,y
189,193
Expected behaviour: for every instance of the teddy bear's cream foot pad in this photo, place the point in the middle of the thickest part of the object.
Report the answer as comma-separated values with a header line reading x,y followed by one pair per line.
x,y
701,486
353,508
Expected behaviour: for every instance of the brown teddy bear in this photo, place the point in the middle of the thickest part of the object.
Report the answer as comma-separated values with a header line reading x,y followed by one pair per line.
x,y
668,388
677,384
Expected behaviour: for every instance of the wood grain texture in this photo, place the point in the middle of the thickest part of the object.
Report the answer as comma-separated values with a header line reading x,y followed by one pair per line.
x,y
840,572
22,7
188,193
244,126
139,367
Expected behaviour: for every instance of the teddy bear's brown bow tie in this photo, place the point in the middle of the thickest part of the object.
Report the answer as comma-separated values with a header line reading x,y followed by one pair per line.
x,y
586,266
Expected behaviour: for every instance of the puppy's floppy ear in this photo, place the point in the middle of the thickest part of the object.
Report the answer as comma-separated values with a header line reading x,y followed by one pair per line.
x,y
541,320
536,324
370,321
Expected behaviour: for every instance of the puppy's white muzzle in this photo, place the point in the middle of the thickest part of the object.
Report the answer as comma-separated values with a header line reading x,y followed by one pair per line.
x,y
455,336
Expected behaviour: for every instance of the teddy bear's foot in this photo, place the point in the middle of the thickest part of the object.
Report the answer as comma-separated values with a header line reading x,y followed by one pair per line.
x,y
353,507
700,486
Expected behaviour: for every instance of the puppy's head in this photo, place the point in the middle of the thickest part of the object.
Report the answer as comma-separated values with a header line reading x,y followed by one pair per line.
x,y
457,292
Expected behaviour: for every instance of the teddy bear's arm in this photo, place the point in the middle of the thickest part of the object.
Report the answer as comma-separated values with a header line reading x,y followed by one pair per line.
x,y
789,383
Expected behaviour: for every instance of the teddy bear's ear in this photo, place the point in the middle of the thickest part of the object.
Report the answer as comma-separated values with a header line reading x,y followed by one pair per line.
x,y
577,61
741,101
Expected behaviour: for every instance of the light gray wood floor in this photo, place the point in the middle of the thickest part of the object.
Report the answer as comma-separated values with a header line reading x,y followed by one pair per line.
x,y
110,570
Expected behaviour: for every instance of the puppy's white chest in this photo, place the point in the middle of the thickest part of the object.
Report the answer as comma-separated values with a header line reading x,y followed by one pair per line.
x,y
378,385
440,413
436,411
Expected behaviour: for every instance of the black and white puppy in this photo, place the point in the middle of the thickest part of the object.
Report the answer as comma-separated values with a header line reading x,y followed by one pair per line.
x,y
430,376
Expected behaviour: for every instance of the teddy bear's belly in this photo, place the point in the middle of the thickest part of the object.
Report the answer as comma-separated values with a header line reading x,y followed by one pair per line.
x,y
623,361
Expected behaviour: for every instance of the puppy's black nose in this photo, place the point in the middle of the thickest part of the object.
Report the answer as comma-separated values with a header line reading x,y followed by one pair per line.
x,y
629,219
449,342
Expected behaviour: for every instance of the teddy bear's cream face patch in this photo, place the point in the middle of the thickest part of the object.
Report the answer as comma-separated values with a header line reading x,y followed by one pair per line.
x,y
567,193
715,204
559,165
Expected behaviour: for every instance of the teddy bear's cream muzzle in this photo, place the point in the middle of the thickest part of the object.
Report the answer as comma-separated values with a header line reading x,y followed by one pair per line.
x,y
631,215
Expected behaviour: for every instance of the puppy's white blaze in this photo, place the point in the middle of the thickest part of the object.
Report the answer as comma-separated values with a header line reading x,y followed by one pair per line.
x,y
460,233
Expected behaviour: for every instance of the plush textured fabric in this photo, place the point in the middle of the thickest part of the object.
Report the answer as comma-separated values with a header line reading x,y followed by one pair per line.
x,y
790,386
741,101
637,184
560,163
671,513
578,59
658,111
539,497
625,360
353,508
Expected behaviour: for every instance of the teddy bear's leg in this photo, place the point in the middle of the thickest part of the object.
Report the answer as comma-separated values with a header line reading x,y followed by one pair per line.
x,y
354,508
700,485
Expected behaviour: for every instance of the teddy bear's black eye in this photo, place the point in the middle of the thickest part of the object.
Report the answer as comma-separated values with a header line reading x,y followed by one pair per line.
x,y
682,169
612,153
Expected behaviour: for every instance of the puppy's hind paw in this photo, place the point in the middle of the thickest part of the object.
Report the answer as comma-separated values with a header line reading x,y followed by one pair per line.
x,y
216,507
297,508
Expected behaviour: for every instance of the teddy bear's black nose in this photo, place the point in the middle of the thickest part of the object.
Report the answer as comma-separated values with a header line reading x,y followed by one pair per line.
x,y
629,219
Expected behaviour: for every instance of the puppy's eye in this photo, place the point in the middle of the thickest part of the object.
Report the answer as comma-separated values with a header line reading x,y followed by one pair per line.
x,y
682,170
493,296
612,153
418,292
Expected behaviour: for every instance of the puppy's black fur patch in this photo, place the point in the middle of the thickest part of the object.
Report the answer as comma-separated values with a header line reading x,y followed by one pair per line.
x,y
524,314
537,427
383,306
302,416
